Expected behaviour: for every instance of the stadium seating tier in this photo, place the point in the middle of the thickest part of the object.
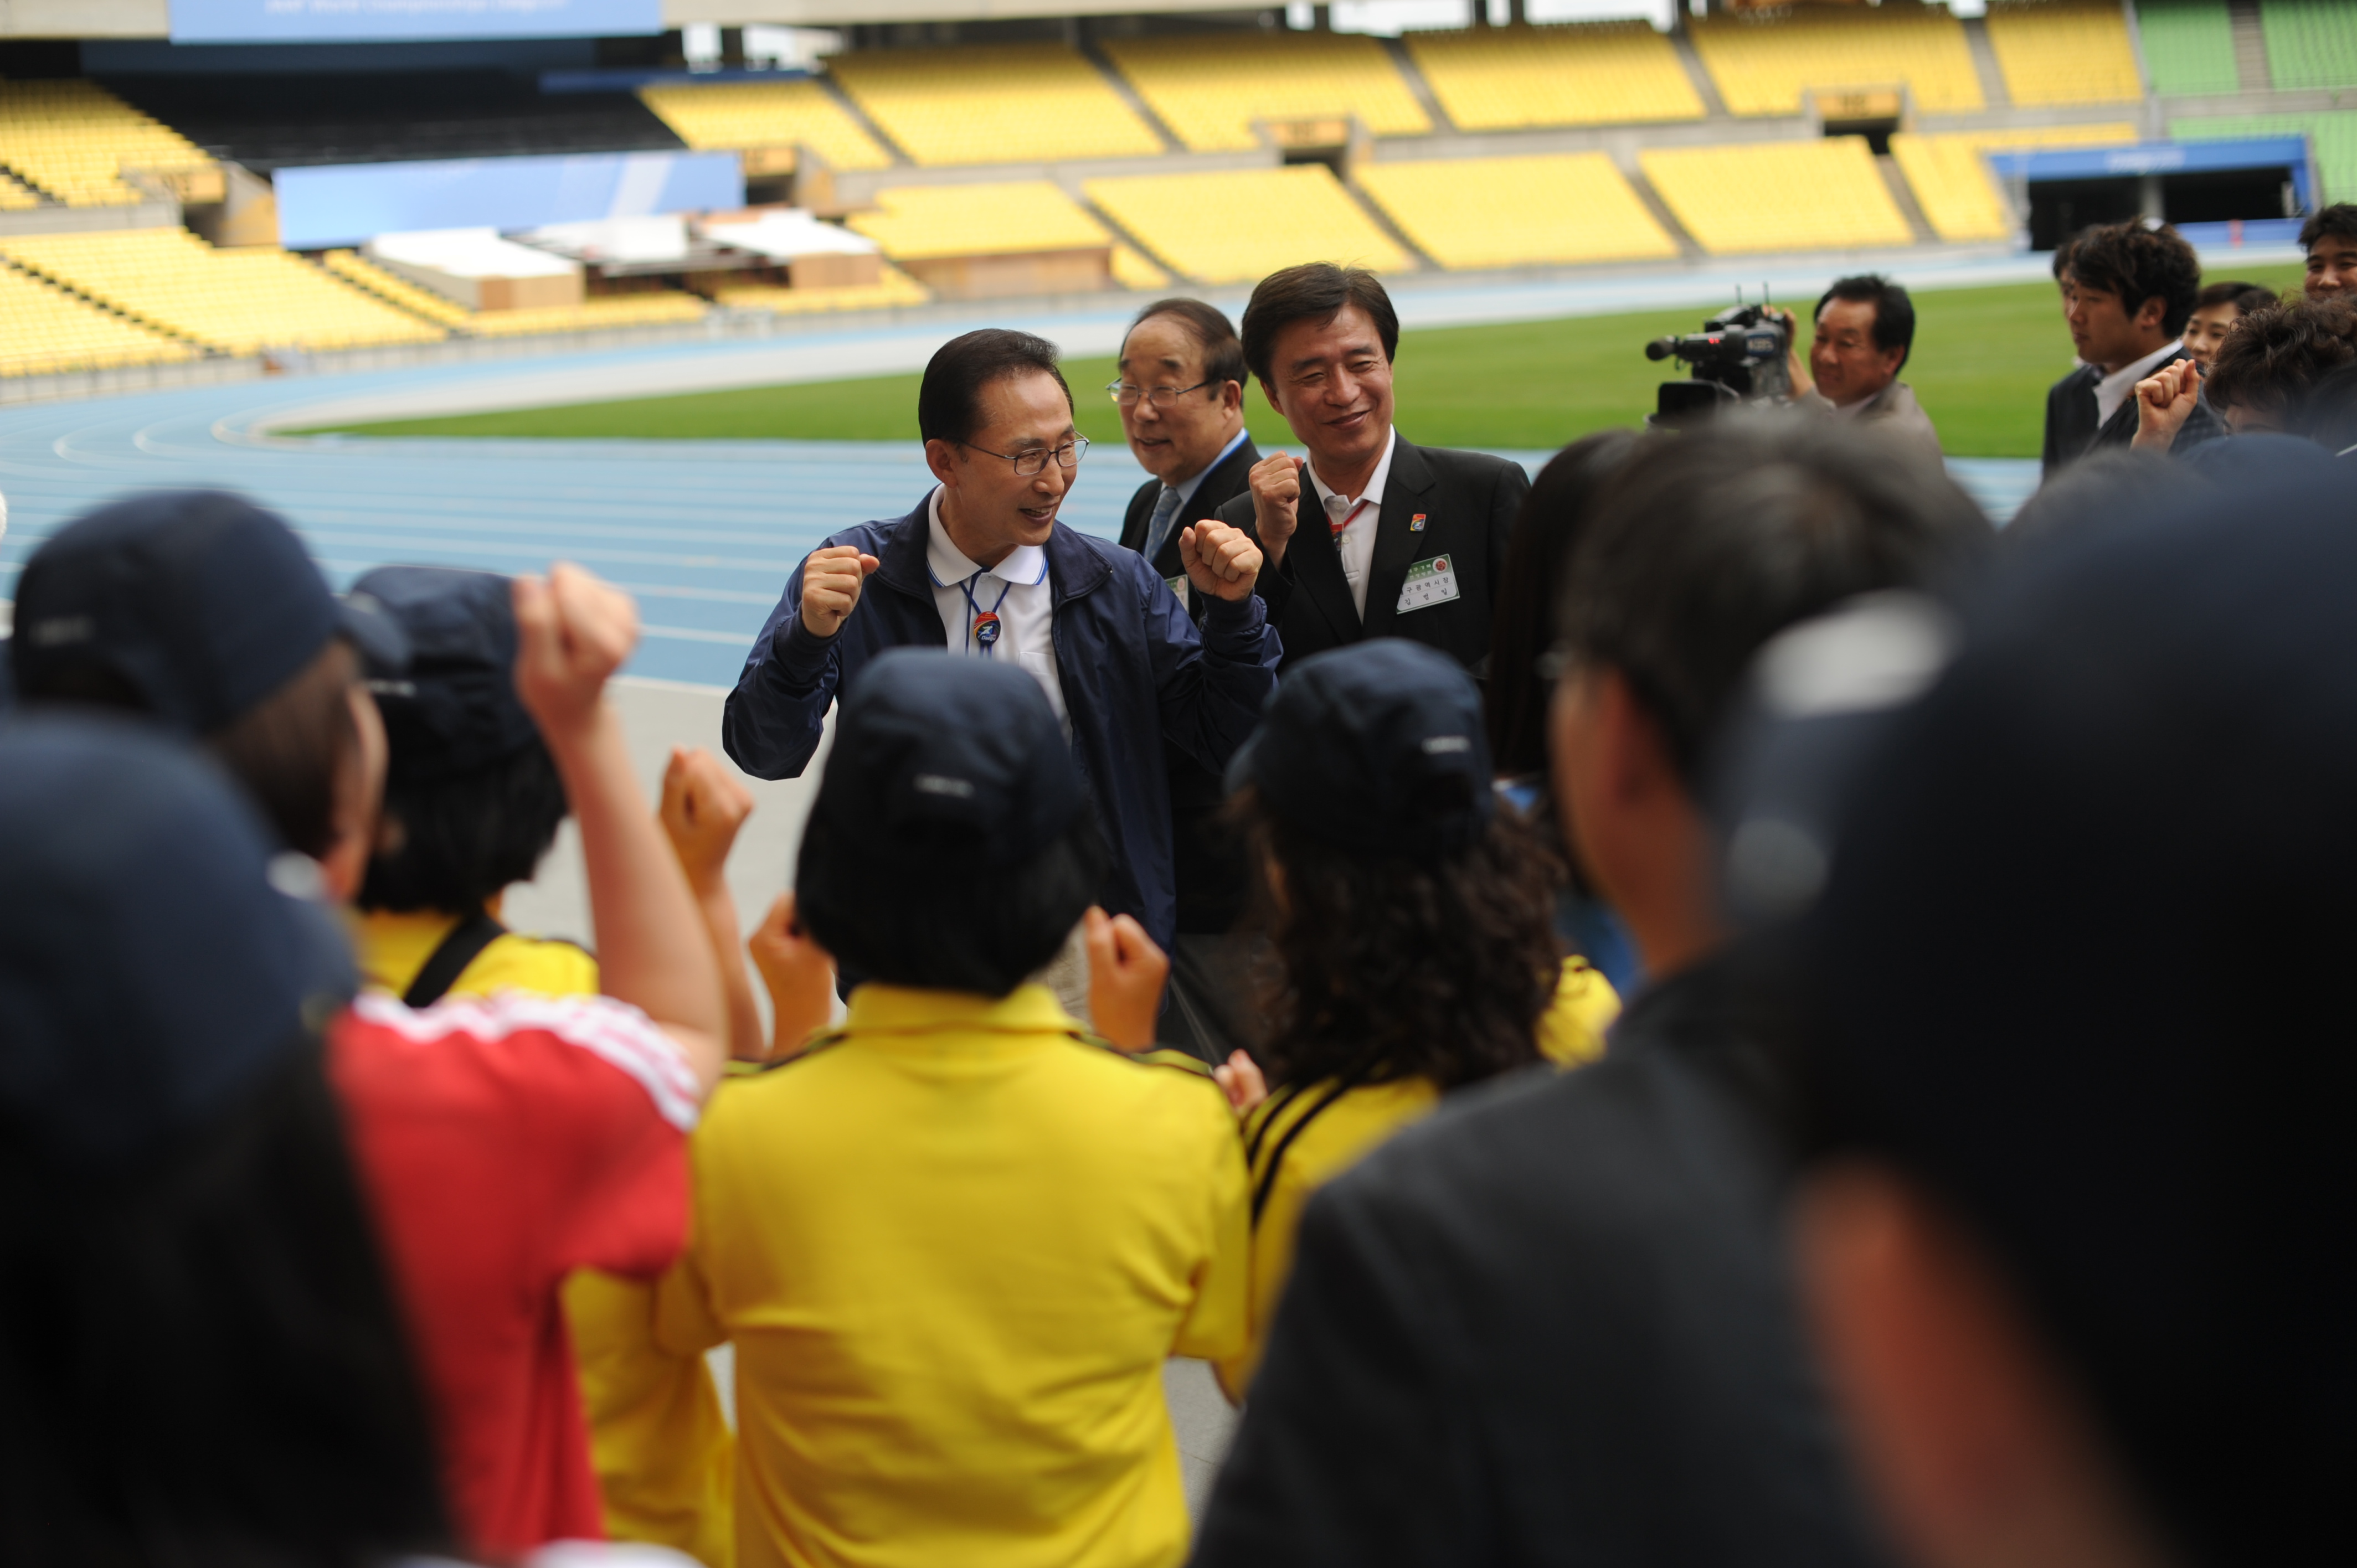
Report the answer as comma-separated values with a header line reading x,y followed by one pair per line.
x,y
1763,65
1501,79
2189,46
2332,133
1240,225
2310,43
1824,195
652,309
922,221
73,140
1950,178
894,288
1209,89
1525,211
730,116
241,301
2064,51
44,330
994,103
361,272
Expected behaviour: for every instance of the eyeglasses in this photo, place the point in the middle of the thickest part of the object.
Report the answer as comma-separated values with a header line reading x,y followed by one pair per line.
x,y
1127,394
1035,461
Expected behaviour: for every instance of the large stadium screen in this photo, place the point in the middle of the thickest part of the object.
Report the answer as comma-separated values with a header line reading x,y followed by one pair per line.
x,y
375,21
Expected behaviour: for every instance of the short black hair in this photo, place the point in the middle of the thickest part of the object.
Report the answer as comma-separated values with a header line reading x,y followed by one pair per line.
x,y
455,840
2137,262
1705,546
2338,221
949,401
2273,356
1894,309
925,930
2245,297
1224,353
1314,291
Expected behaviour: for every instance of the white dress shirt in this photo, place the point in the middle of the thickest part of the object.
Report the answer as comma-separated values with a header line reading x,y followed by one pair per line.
x,y
1356,542
1017,589
2114,389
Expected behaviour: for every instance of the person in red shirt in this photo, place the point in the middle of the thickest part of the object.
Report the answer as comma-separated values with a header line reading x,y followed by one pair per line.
x,y
501,1143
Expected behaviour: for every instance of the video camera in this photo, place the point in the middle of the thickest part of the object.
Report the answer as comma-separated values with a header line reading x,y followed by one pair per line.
x,y
1739,357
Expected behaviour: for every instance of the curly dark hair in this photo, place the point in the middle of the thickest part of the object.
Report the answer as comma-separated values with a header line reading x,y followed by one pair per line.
x,y
2136,263
1393,967
2273,356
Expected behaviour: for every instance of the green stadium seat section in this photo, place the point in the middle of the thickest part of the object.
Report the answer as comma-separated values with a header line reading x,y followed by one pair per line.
x,y
2188,47
2334,133
2310,43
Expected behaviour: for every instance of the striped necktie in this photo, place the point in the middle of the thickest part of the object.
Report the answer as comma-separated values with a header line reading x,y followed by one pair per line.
x,y
1157,530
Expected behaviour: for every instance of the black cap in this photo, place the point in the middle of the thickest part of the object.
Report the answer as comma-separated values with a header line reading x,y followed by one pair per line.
x,y
151,969
454,706
958,760
201,601
2082,957
1378,748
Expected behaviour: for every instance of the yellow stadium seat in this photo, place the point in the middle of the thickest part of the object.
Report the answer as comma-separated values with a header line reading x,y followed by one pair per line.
x,y
1237,226
1952,182
1209,89
46,331
596,315
361,272
241,301
918,223
894,288
1763,65
994,103
73,140
1510,213
1505,79
1132,270
2064,51
746,114
1824,195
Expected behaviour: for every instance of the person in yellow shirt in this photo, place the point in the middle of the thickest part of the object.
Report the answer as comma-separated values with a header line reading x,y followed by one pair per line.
x,y
955,1240
472,804
1412,920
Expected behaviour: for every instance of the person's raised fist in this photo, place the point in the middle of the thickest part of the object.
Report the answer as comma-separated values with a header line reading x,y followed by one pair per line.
x,y
2165,401
703,805
797,972
1221,562
832,581
1276,502
572,633
1125,975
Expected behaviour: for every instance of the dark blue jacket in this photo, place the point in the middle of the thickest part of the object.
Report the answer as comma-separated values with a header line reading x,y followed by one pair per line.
x,y
1134,668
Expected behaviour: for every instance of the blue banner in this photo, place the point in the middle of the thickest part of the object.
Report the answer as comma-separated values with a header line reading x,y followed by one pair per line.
x,y
375,21
349,204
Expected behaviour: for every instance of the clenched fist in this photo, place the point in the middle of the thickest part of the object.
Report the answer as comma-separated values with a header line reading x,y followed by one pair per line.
x,y
832,579
1221,562
1276,503
572,633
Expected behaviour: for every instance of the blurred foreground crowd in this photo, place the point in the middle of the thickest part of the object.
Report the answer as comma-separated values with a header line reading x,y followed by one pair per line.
x,y
1706,1008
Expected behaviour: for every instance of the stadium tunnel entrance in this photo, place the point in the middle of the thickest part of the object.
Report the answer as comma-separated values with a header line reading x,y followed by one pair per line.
x,y
2241,191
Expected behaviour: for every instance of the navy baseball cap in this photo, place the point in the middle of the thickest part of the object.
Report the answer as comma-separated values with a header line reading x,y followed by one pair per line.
x,y
958,760
1377,748
453,705
2080,975
154,967
199,601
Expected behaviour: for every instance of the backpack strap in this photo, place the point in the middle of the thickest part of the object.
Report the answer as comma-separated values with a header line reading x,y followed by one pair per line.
x,y
448,960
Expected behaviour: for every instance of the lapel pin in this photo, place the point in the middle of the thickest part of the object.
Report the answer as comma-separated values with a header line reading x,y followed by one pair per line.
x,y
1416,523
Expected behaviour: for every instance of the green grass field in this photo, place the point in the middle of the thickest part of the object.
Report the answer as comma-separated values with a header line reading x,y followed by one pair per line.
x,y
1983,361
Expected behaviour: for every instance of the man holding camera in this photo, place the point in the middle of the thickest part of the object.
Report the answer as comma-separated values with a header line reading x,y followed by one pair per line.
x,y
1866,328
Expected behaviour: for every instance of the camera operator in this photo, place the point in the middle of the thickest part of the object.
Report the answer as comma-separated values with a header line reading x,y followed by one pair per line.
x,y
1866,330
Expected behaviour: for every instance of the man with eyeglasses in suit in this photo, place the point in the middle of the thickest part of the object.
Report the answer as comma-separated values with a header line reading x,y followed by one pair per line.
x,y
984,568
1181,395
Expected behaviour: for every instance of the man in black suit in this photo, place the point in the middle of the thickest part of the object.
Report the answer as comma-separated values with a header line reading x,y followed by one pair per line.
x,y
1412,537
2128,292
1181,395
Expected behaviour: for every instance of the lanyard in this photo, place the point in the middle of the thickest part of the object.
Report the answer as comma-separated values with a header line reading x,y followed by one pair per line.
x,y
985,630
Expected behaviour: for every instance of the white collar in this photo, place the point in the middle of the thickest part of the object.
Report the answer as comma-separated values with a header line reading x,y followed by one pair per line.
x,y
2112,388
1025,565
1375,481
1187,487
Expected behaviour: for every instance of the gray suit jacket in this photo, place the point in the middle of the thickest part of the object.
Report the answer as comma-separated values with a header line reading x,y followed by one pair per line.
x,y
1893,411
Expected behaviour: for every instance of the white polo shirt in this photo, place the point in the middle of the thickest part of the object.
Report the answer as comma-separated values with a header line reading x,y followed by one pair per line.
x,y
1356,542
1017,588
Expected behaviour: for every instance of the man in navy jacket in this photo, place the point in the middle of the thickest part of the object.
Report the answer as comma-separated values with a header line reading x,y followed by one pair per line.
x,y
982,568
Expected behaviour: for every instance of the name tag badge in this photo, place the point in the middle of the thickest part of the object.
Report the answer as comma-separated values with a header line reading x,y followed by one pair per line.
x,y
1178,585
1429,582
